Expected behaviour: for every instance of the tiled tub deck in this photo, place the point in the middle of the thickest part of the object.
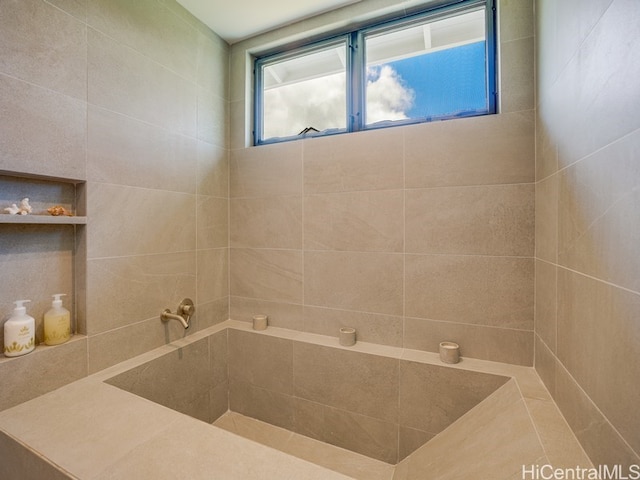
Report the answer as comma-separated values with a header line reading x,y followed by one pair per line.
x,y
319,410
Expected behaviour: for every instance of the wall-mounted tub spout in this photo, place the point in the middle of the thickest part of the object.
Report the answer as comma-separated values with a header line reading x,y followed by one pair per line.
x,y
183,314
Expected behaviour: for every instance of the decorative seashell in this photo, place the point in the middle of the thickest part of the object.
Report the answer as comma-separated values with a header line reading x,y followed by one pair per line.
x,y
58,210
13,209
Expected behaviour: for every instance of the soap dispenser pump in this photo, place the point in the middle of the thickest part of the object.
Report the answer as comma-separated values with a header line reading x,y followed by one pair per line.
x,y
19,332
57,322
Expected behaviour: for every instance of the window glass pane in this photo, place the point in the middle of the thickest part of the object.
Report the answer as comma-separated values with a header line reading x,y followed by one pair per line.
x,y
431,69
306,93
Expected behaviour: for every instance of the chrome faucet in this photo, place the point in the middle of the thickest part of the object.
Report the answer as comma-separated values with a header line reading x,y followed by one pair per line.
x,y
183,314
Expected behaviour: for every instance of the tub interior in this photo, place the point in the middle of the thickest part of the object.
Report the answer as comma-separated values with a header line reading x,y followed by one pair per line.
x,y
374,405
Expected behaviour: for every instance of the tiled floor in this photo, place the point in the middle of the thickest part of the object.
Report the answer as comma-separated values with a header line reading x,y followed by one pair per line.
x,y
334,458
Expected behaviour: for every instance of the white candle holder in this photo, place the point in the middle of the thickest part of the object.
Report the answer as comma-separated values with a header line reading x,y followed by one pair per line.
x,y
347,336
260,322
449,352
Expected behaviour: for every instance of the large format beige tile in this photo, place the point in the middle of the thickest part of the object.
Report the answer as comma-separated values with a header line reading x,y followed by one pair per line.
x,y
126,81
179,380
547,219
274,275
18,461
370,327
125,290
261,361
43,132
492,291
546,303
271,222
266,170
125,151
546,141
143,221
266,405
44,46
213,65
433,397
212,171
77,8
345,380
598,334
358,221
355,162
212,118
496,149
283,315
516,19
209,314
476,341
212,222
517,75
598,222
483,220
213,274
149,29
545,365
368,282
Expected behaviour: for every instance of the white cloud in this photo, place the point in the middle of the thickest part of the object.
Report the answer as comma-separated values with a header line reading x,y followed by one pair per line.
x,y
320,102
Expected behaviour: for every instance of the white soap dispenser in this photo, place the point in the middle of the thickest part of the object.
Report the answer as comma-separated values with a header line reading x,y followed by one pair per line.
x,y
57,322
19,332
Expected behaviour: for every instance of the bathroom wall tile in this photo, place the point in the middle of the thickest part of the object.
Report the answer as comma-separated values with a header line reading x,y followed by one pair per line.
x,y
517,75
209,314
603,109
36,262
238,61
77,8
471,151
359,221
213,118
272,222
283,315
600,440
212,222
369,282
410,440
115,346
125,151
354,162
343,379
370,327
212,171
488,343
546,46
149,29
546,303
597,334
118,74
43,132
490,291
44,47
516,19
499,424
213,274
219,401
213,65
40,372
267,170
545,365
362,434
483,220
125,290
261,361
219,358
598,224
547,219
309,419
179,380
163,221
266,405
18,461
274,275
239,131
546,142
433,397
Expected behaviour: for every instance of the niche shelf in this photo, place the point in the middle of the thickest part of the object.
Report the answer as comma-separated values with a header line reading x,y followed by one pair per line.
x,y
42,220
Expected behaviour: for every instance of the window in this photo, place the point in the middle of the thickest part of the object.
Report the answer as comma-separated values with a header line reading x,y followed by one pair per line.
x,y
435,65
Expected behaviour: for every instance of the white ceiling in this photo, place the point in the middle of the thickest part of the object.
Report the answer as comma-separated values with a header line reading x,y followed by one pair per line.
x,y
235,20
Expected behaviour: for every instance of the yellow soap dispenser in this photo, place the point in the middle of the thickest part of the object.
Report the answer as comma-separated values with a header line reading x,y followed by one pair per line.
x,y
57,322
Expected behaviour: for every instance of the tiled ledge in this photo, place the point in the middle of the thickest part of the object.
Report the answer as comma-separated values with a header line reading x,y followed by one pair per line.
x,y
93,430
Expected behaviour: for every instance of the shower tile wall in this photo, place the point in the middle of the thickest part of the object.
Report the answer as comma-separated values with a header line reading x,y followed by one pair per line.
x,y
587,223
412,235
131,97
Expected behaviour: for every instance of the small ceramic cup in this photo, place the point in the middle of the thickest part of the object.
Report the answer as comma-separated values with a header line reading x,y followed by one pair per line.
x,y
449,352
260,322
347,336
